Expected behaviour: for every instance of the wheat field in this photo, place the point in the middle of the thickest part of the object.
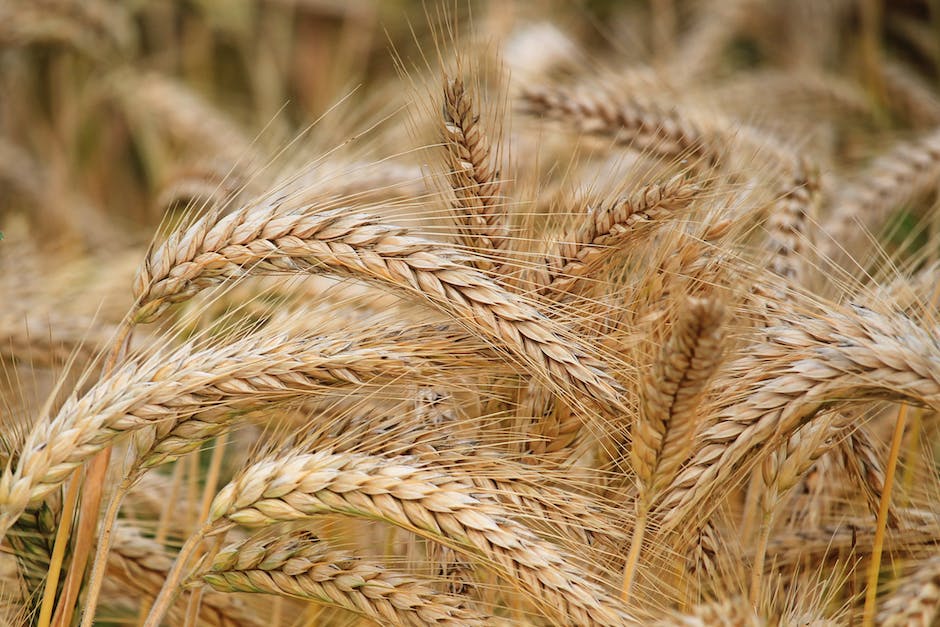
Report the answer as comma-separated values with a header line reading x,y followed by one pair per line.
x,y
469,313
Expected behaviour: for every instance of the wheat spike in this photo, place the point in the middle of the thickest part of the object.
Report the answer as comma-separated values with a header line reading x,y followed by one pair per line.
x,y
473,174
268,238
426,501
813,362
302,566
917,601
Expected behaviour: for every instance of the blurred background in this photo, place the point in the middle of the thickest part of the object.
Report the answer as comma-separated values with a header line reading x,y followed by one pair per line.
x,y
114,112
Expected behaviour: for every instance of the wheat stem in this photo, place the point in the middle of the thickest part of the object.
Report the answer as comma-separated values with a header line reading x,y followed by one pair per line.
x,y
874,567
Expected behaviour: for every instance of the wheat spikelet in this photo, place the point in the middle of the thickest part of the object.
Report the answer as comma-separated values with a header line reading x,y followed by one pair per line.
x,y
473,174
423,500
302,566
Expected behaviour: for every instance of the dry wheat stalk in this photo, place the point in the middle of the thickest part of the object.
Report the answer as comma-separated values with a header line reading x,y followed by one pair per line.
x,y
473,174
268,238
302,566
426,501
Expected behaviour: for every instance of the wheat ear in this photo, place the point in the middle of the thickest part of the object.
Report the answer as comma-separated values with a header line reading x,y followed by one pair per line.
x,y
814,362
473,174
916,603
640,125
425,501
908,170
602,231
302,566
166,390
788,239
266,238
665,429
